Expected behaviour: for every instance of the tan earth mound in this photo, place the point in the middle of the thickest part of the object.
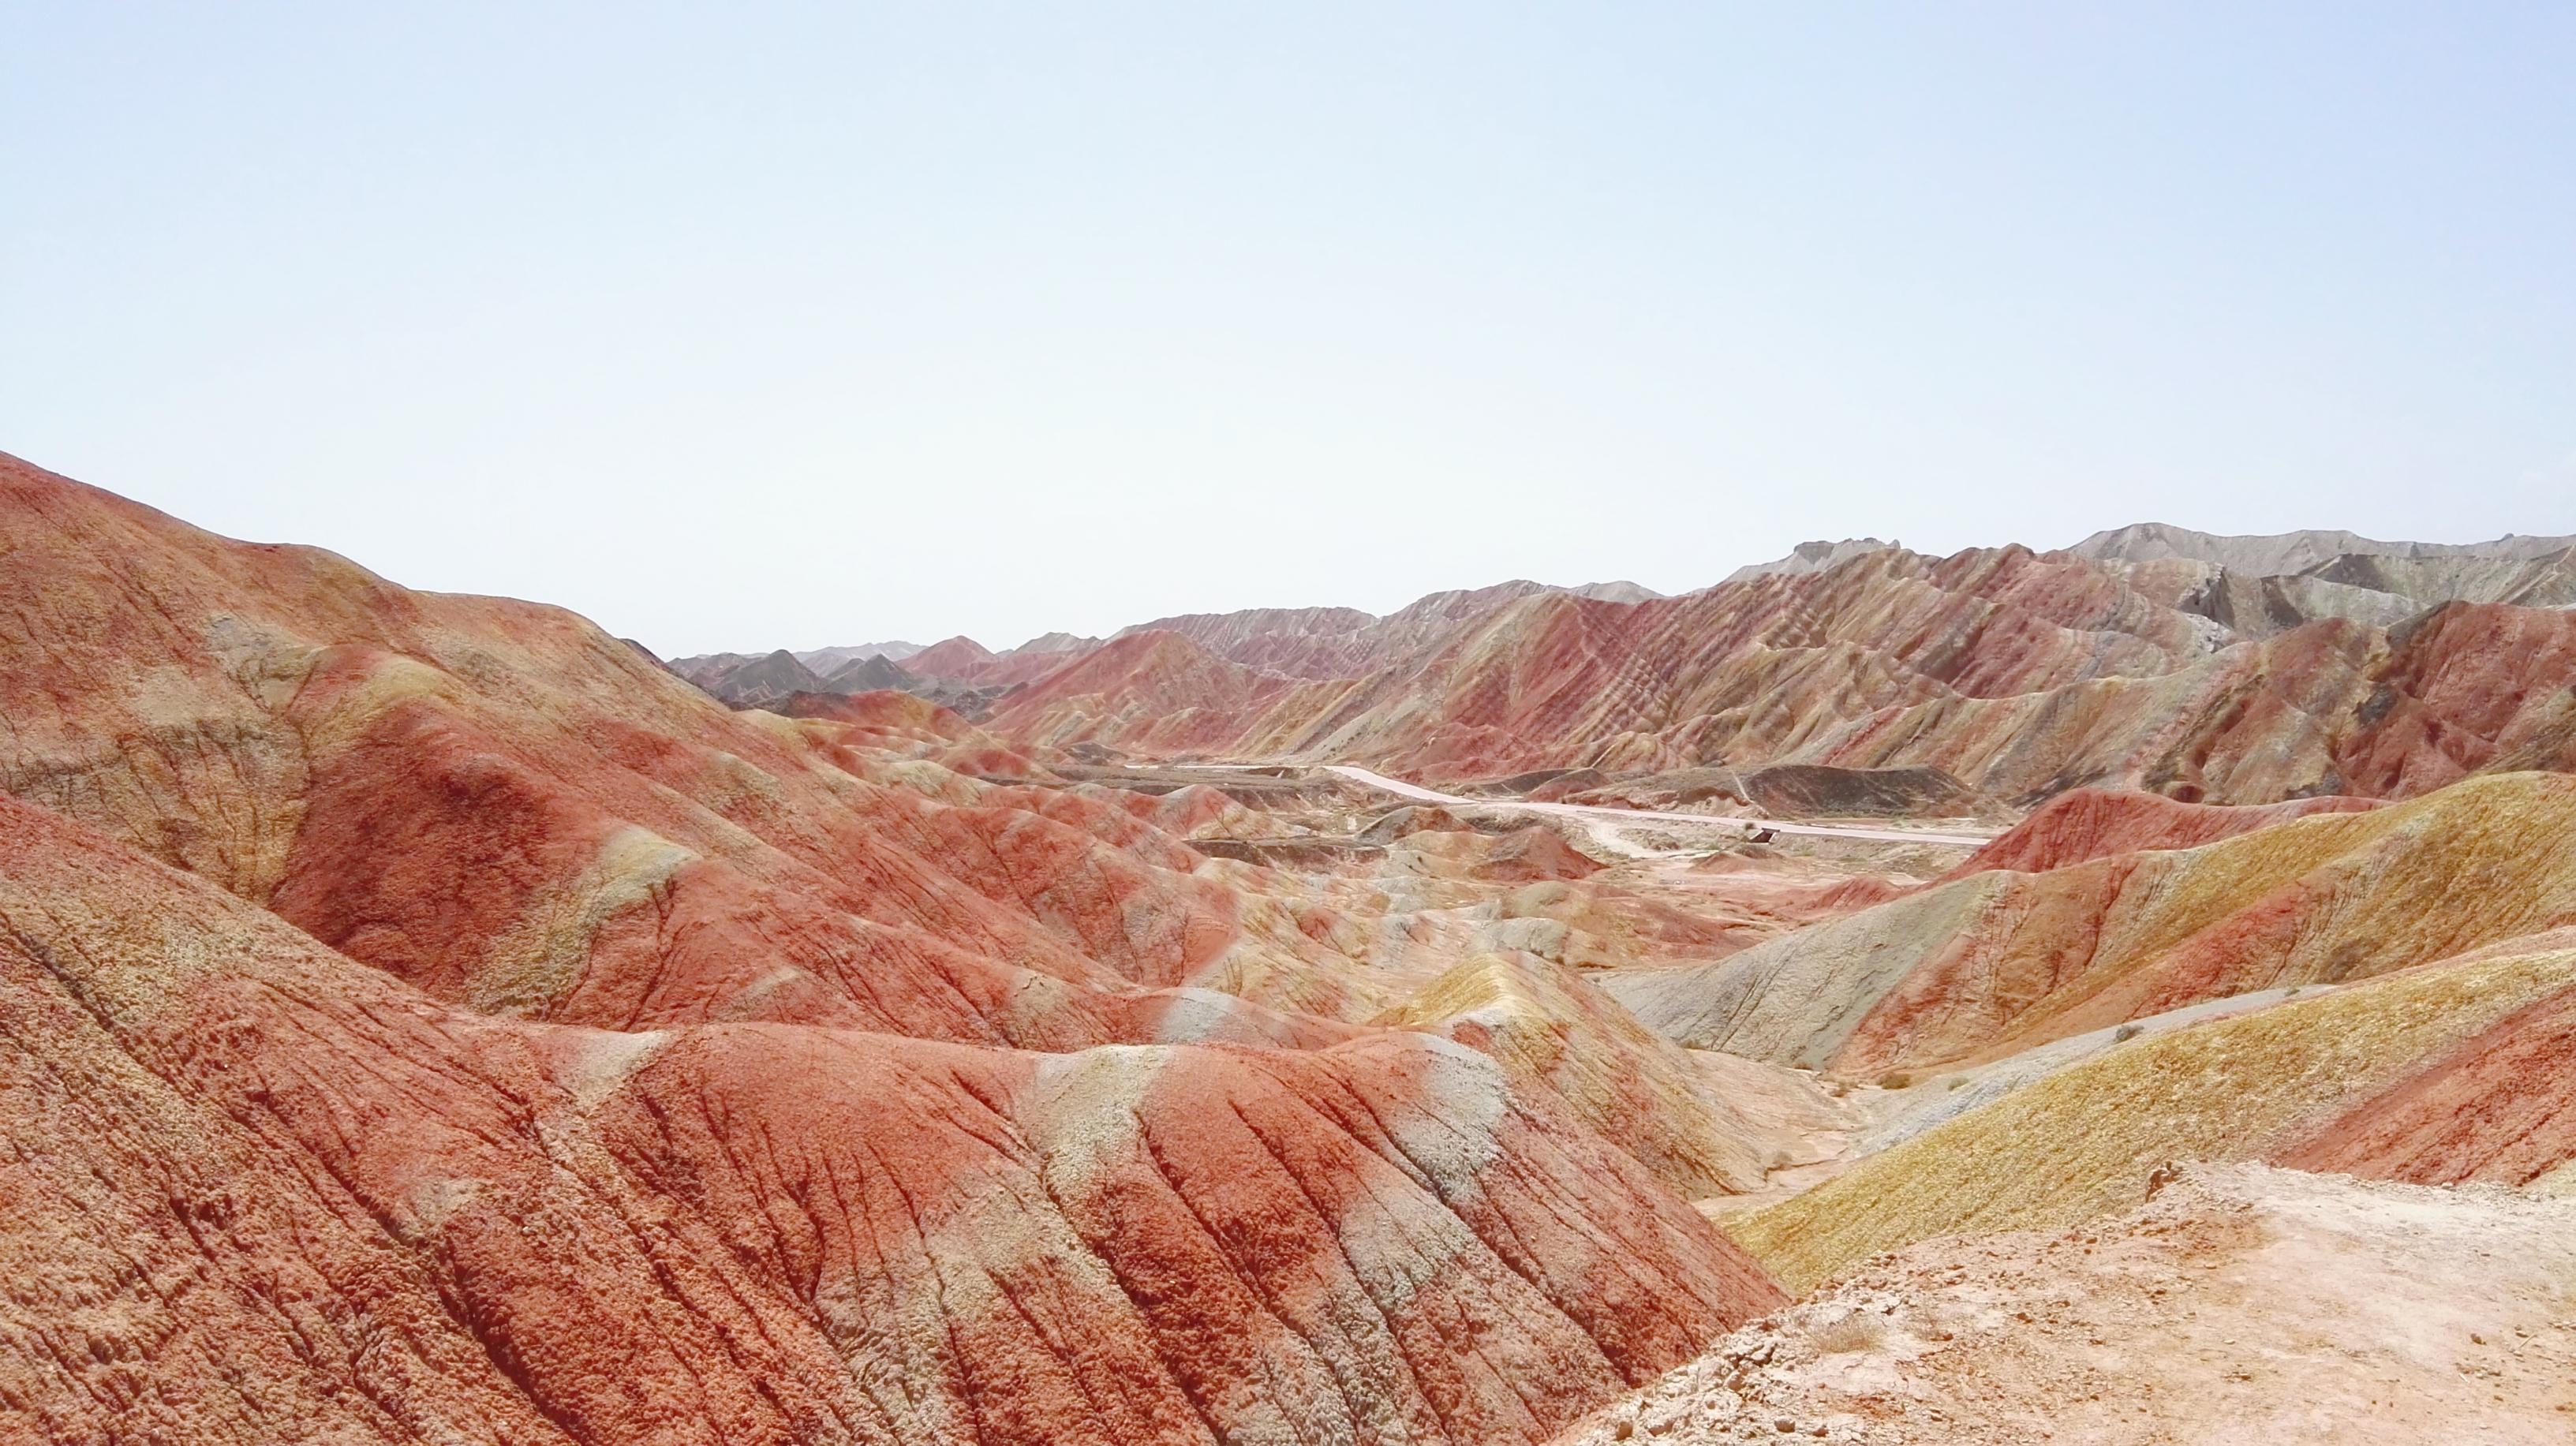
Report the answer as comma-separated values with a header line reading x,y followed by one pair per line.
x,y
1528,855
2243,1306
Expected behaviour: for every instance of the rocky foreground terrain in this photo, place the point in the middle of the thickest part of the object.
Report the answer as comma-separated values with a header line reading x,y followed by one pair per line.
x,y
2122,994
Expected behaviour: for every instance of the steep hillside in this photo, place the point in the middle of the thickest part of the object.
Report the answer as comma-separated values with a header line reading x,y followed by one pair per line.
x,y
287,1197
825,660
2207,669
868,675
427,1017
765,679
445,1022
1321,643
1159,691
959,658
1317,642
1545,1024
1809,557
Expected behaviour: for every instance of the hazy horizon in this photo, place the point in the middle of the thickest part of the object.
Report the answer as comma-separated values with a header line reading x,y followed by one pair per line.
x,y
1005,644
810,329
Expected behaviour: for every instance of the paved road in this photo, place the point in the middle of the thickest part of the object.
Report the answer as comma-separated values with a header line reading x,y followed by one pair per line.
x,y
1592,813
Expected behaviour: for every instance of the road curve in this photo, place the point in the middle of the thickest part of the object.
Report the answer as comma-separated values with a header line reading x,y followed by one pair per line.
x,y
1594,813
1418,793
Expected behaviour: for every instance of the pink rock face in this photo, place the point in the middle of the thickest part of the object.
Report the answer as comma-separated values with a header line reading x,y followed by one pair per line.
x,y
424,1017
2092,823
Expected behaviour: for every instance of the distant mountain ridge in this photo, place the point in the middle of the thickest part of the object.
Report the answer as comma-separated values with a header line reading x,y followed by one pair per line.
x,y
1809,557
824,660
2291,552
2021,673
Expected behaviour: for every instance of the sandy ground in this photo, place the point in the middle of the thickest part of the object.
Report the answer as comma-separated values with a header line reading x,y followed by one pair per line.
x,y
2243,1304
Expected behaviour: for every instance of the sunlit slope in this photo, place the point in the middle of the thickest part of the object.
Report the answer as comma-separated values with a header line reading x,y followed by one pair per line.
x,y
2085,1141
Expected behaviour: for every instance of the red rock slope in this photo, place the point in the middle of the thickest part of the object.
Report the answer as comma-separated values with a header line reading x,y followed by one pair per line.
x,y
2500,1106
434,1021
2092,823
262,1192
506,807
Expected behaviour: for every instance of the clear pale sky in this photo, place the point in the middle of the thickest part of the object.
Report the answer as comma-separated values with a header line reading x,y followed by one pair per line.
x,y
741,328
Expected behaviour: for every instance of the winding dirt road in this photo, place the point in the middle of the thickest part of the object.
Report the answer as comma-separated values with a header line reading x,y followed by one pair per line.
x,y
1596,814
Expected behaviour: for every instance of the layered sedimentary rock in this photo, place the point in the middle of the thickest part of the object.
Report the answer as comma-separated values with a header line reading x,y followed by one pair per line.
x,y
1319,642
822,661
1997,961
502,805
284,1196
427,1017
2500,1105
1547,1025
1813,556
963,660
2018,674
1305,643
770,680
441,1022
2229,670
